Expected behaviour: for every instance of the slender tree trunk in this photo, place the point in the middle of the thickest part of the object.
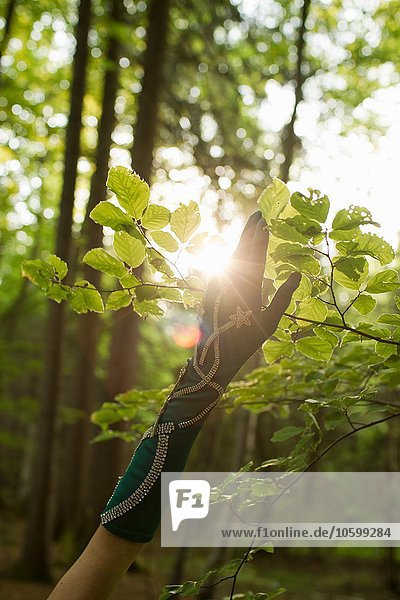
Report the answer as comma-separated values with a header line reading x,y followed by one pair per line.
x,y
290,140
8,17
123,361
35,559
76,456
147,119
10,318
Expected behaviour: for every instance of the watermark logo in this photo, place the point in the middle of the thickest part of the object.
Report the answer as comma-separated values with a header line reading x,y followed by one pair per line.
x,y
304,509
188,499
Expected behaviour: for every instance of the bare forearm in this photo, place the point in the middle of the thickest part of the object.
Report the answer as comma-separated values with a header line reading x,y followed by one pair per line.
x,y
99,569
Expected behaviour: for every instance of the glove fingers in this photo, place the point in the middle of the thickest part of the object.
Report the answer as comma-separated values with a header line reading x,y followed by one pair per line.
x,y
273,314
243,249
241,271
258,252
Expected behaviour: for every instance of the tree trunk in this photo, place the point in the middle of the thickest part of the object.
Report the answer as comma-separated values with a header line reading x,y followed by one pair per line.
x,y
72,485
123,361
147,119
8,17
290,140
35,559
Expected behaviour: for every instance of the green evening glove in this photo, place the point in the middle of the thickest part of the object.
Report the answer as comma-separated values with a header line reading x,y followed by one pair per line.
x,y
233,325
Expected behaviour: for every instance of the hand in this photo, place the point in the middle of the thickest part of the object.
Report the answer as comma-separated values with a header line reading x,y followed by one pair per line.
x,y
233,324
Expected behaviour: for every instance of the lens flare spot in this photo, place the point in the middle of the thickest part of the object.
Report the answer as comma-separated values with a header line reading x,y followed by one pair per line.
x,y
186,336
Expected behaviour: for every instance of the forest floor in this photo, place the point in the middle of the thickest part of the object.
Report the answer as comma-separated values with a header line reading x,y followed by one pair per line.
x,y
316,576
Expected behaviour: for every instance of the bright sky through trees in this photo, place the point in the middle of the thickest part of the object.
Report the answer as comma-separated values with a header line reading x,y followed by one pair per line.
x,y
354,167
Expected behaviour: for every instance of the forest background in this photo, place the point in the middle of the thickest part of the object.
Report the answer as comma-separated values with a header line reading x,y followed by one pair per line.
x,y
207,101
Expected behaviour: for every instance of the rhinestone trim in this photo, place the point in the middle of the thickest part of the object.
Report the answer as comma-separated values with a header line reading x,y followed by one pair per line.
x,y
164,430
144,488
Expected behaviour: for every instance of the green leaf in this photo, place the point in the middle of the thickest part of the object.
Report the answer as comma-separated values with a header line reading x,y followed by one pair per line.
x,y
189,588
156,217
375,246
147,307
384,281
185,220
58,292
373,329
333,419
328,336
129,249
313,308
316,348
285,250
160,264
389,319
263,487
364,304
315,207
165,240
285,231
274,350
385,350
171,294
109,215
305,226
146,292
304,289
305,264
118,299
38,272
191,298
286,433
351,284
100,260
352,217
339,235
132,191
86,298
352,267
60,267
129,280
105,416
273,200
168,593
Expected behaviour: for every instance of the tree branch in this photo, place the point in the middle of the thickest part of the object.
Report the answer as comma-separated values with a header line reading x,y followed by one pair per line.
x,y
344,328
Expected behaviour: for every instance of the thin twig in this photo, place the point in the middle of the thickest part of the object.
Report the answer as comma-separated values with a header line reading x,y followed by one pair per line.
x,y
343,327
348,434
352,302
134,287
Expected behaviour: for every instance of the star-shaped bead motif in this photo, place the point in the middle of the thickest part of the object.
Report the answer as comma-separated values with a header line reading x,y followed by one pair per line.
x,y
241,317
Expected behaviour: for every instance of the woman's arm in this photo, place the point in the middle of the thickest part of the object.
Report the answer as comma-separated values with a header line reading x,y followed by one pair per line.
x,y
233,325
99,569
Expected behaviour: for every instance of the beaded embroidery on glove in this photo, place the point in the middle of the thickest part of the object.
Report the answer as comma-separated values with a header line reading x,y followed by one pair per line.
x,y
163,430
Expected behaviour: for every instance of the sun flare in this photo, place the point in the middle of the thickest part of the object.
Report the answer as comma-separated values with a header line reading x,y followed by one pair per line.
x,y
212,258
